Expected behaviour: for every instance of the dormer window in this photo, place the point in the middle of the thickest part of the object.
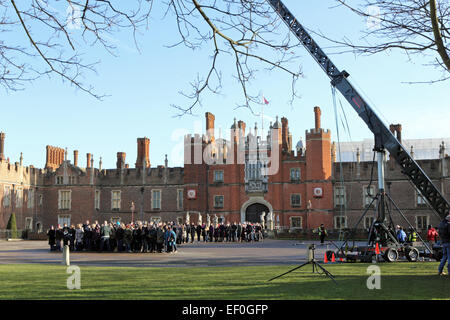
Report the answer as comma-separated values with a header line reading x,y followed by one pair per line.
x,y
59,180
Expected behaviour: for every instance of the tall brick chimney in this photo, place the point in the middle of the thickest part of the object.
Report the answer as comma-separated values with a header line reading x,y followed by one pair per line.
x,y
143,146
318,151
278,127
88,160
396,129
2,146
75,158
317,114
210,125
55,156
284,134
120,160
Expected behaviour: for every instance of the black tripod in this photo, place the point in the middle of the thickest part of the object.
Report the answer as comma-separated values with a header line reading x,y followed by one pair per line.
x,y
315,265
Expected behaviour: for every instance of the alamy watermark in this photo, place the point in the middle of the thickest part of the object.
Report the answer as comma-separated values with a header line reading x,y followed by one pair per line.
x,y
239,149
373,21
74,15
74,280
374,280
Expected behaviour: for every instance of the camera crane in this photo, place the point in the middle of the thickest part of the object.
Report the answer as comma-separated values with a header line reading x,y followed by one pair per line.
x,y
384,140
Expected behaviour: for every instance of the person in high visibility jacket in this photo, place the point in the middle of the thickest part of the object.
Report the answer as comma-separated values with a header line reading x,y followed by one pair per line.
x,y
412,235
322,233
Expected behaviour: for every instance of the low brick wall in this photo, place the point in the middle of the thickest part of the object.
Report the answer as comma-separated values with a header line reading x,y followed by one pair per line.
x,y
312,234
7,234
36,236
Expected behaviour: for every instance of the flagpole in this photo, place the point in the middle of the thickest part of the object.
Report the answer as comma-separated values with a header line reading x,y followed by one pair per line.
x,y
262,113
262,121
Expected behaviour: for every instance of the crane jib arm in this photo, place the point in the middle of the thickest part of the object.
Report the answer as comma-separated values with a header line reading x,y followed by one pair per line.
x,y
384,139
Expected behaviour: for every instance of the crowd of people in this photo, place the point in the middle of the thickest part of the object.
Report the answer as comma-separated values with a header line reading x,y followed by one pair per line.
x,y
165,237
150,237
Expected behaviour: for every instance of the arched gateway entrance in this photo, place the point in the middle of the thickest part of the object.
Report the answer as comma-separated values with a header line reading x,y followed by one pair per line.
x,y
253,208
254,211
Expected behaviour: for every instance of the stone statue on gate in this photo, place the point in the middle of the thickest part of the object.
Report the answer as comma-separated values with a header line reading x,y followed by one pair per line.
x,y
270,220
199,219
261,217
187,218
208,220
215,220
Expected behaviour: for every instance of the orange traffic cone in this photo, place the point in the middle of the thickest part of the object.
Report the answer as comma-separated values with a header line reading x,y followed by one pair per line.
x,y
325,259
377,249
340,259
333,259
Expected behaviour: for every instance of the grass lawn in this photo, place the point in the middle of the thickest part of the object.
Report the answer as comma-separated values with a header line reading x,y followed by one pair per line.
x,y
398,281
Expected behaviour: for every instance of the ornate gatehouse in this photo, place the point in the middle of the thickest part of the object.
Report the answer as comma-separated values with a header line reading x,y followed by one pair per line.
x,y
258,177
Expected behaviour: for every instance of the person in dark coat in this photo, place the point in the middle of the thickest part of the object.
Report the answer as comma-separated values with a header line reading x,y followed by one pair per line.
x,y
51,233
188,232
72,238
258,232
137,238
58,237
216,233
95,243
159,238
233,232
221,232
248,232
193,229
211,233
179,234
66,235
113,237
239,232
146,237
204,233
444,235
87,239
152,237
127,238
228,232
119,236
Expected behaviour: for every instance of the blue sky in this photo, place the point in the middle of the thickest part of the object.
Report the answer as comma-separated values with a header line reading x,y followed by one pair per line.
x,y
143,85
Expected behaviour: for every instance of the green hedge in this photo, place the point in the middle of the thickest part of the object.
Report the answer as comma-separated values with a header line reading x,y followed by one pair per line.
x,y
12,226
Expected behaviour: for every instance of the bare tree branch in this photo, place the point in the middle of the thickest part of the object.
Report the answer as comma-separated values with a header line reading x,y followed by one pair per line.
x,y
242,29
412,26
51,35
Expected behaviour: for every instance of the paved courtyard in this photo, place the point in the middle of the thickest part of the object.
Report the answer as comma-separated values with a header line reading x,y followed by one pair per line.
x,y
197,254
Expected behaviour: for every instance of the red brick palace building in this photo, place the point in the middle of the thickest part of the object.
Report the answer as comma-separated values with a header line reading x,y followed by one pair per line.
x,y
229,183
251,175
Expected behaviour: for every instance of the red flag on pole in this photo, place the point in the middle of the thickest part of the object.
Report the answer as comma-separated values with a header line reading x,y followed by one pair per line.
x,y
265,101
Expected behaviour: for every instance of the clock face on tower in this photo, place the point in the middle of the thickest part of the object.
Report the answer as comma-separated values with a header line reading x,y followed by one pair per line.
x,y
192,194
318,193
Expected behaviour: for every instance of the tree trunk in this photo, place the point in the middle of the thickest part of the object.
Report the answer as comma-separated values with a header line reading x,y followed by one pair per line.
x,y
437,35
